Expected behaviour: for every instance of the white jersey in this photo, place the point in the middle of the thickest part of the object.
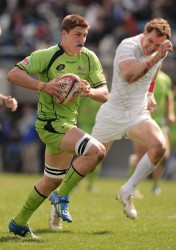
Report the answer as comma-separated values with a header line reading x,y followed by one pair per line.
x,y
133,96
127,104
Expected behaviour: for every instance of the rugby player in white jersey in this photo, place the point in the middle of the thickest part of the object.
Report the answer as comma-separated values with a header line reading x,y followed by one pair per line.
x,y
125,114
136,64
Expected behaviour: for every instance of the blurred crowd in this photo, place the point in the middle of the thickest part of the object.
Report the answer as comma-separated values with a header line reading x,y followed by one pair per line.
x,y
28,25
31,24
20,147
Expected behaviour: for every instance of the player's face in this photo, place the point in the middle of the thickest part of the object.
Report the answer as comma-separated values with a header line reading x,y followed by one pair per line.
x,y
74,41
150,42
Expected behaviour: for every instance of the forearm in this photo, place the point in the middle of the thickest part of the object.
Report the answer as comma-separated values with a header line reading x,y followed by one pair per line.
x,y
21,78
152,61
133,70
99,94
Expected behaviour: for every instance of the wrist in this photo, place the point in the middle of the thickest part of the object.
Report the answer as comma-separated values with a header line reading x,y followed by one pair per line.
x,y
40,86
153,61
157,57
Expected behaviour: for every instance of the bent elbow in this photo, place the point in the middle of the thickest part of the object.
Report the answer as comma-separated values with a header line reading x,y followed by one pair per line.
x,y
129,79
12,74
105,97
9,76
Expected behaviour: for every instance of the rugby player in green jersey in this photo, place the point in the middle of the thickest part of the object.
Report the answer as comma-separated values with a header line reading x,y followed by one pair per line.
x,y
56,123
164,115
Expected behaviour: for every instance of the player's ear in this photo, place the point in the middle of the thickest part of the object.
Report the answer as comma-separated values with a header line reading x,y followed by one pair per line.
x,y
63,32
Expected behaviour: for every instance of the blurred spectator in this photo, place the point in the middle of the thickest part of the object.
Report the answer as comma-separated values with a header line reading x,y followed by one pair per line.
x,y
30,146
9,142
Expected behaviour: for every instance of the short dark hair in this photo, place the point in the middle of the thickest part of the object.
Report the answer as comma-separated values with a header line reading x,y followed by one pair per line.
x,y
160,25
72,21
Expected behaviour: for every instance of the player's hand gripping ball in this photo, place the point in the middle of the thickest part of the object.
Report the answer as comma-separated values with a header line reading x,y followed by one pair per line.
x,y
70,83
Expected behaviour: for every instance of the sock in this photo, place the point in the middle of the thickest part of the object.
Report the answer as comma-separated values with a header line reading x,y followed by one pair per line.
x,y
132,163
70,181
33,201
143,169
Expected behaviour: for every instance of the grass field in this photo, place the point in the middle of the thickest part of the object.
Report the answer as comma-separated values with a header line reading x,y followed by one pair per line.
x,y
98,220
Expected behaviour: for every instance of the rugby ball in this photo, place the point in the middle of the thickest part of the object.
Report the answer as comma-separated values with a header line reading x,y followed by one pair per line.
x,y
70,83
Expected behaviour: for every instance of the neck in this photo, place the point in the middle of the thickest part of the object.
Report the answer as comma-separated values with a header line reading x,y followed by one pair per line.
x,y
66,50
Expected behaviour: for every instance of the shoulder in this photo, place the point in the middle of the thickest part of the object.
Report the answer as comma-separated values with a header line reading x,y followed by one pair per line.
x,y
89,53
48,51
129,48
131,42
38,60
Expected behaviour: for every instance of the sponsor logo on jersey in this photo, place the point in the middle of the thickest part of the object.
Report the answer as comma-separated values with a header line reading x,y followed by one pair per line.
x,y
26,62
60,67
71,62
81,68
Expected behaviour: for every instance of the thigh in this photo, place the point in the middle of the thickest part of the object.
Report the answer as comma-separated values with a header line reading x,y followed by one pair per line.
x,y
59,160
72,137
147,133
108,146
51,133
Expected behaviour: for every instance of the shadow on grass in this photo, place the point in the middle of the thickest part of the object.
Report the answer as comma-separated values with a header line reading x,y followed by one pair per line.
x,y
47,231
41,232
19,239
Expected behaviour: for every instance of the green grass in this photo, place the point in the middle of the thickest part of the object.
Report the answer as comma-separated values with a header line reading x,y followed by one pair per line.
x,y
98,220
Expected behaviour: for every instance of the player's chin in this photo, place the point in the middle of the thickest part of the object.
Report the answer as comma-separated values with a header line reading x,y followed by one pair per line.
x,y
148,52
78,49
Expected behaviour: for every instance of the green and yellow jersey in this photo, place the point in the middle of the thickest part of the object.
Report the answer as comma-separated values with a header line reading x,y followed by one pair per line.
x,y
90,107
163,89
85,64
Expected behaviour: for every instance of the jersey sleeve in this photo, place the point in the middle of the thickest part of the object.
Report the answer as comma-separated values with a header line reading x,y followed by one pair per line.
x,y
126,51
96,76
36,62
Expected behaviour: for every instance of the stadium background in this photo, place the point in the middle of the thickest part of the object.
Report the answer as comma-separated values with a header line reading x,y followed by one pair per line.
x,y
28,25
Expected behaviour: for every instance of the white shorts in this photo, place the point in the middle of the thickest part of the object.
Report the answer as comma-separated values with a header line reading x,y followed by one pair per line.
x,y
111,127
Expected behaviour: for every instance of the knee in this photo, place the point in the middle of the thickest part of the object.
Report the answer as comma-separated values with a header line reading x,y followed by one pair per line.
x,y
90,147
97,153
159,152
101,152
